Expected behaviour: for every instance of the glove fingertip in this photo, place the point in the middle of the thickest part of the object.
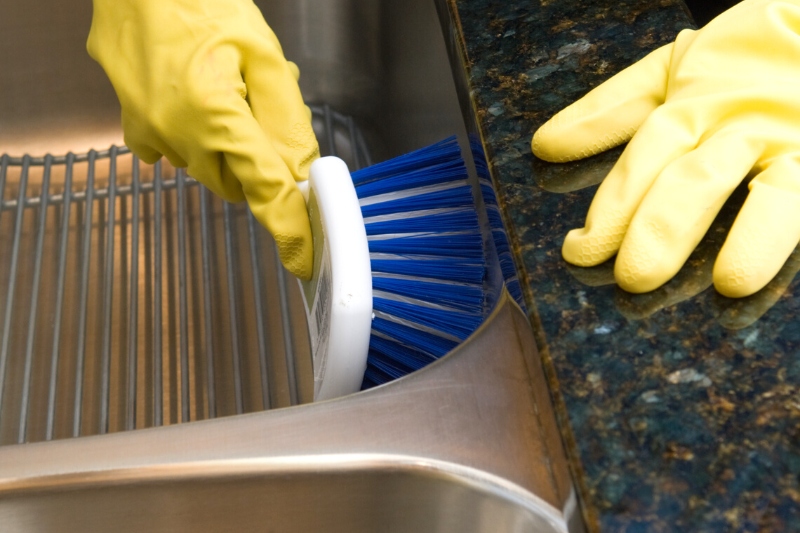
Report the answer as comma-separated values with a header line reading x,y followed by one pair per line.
x,y
738,272
733,283
639,277
148,156
584,249
142,150
296,253
547,145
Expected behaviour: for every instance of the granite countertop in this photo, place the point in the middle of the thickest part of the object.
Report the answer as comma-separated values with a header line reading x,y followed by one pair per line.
x,y
680,408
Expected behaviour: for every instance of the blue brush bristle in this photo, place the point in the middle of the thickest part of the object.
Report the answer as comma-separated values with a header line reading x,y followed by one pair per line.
x,y
456,219
448,321
499,235
464,245
399,355
414,340
462,297
427,258
435,268
418,178
501,244
445,151
448,198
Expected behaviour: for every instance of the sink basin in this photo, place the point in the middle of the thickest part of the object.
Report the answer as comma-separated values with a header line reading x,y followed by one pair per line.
x,y
154,363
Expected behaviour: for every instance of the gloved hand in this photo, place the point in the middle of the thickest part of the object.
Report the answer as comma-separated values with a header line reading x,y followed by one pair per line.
x,y
205,83
701,114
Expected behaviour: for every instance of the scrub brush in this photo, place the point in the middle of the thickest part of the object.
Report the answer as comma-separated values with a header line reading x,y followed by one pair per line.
x,y
398,282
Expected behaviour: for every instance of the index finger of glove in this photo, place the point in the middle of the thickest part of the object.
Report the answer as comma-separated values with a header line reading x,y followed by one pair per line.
x,y
267,183
608,115
276,103
662,139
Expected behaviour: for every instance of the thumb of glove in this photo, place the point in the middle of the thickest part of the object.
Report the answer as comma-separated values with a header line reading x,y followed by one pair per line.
x,y
608,115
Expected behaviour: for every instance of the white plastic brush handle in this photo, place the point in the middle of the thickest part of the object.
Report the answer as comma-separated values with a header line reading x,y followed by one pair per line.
x,y
338,299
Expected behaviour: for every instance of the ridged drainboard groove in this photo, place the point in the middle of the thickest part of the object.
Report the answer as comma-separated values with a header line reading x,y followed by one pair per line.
x,y
132,297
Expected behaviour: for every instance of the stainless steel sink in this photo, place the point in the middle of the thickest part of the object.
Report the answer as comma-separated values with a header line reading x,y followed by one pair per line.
x,y
154,367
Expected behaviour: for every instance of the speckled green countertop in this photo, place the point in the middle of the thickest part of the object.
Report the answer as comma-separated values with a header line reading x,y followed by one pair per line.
x,y
681,408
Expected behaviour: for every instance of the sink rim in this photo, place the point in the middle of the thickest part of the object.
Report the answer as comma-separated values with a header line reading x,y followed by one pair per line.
x,y
466,477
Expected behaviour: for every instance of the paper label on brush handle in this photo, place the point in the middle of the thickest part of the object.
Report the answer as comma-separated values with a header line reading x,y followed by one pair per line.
x,y
320,326
317,294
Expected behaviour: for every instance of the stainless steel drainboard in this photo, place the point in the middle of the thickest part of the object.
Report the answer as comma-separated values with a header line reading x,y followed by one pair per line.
x,y
125,301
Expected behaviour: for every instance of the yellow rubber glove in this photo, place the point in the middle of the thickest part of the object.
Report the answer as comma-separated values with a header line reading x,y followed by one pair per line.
x,y
717,105
205,83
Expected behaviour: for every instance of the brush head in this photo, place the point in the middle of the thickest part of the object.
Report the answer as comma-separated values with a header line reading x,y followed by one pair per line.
x,y
338,298
428,262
